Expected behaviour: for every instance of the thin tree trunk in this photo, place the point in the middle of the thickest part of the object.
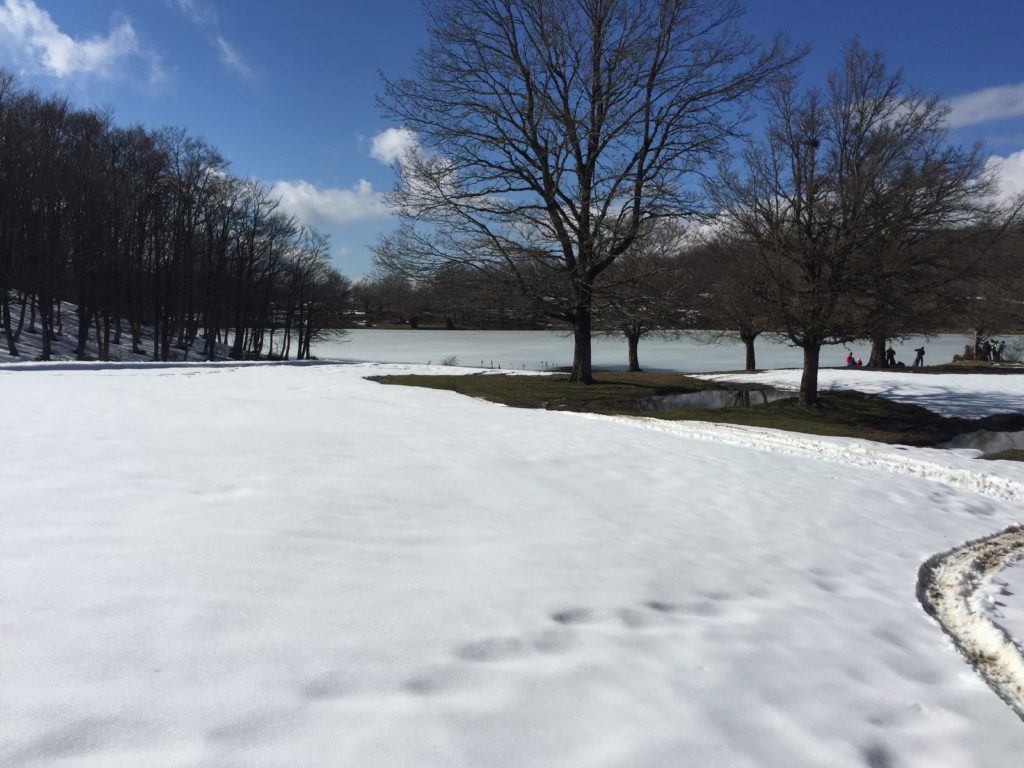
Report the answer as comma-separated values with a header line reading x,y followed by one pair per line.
x,y
107,333
46,325
83,328
102,341
5,309
136,328
25,300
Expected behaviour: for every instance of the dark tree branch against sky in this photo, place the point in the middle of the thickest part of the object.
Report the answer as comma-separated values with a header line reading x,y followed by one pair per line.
x,y
551,131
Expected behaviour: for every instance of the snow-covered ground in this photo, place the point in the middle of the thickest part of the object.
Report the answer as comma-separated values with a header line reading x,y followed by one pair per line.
x,y
1005,599
293,566
951,394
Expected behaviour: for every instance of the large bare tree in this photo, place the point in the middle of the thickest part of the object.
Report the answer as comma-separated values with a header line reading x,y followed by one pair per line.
x,y
843,200
550,131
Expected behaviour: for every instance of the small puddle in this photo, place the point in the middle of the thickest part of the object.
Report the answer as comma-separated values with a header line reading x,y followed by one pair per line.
x,y
712,399
988,441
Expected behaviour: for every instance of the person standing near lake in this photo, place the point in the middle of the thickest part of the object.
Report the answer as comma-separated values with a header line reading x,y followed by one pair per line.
x,y
919,360
890,358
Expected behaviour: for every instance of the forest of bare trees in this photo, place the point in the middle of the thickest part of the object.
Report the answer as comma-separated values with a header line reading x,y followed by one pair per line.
x,y
138,227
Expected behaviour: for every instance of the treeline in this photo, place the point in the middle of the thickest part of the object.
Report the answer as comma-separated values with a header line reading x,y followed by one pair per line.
x,y
141,227
714,286
452,298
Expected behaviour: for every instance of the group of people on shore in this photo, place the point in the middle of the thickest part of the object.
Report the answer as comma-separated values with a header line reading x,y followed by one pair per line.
x,y
987,350
990,350
889,361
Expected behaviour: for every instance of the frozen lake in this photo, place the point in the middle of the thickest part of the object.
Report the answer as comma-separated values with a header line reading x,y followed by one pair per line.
x,y
542,350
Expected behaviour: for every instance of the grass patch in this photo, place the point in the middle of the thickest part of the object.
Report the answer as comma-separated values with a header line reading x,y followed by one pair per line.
x,y
1014,454
842,413
971,366
611,393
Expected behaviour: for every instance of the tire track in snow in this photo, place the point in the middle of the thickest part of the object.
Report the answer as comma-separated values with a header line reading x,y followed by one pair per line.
x,y
951,584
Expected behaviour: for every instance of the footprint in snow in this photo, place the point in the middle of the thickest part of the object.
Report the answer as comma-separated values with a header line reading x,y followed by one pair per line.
x,y
574,616
549,642
492,649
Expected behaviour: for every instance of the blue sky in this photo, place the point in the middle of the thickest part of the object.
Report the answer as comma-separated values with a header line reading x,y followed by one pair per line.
x,y
286,90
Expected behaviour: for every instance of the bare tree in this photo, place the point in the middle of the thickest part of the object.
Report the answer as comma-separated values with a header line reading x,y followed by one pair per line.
x,y
847,185
553,130
729,282
647,290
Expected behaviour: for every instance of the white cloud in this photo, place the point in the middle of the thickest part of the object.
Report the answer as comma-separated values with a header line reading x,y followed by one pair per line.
x,y
986,105
338,207
390,145
232,58
204,16
1011,174
201,14
29,33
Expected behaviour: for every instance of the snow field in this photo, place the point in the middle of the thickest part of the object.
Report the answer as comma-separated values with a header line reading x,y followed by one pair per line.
x,y
282,566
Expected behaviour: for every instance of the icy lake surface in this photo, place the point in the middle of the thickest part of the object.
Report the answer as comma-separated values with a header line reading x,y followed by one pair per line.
x,y
542,350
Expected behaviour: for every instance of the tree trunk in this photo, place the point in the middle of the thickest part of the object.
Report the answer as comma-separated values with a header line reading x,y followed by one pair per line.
x,y
45,306
634,360
25,300
107,333
582,368
748,342
102,351
83,328
136,328
809,379
582,321
877,359
5,309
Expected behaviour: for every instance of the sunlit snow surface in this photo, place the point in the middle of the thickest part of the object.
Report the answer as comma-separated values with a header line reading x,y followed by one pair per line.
x,y
292,566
